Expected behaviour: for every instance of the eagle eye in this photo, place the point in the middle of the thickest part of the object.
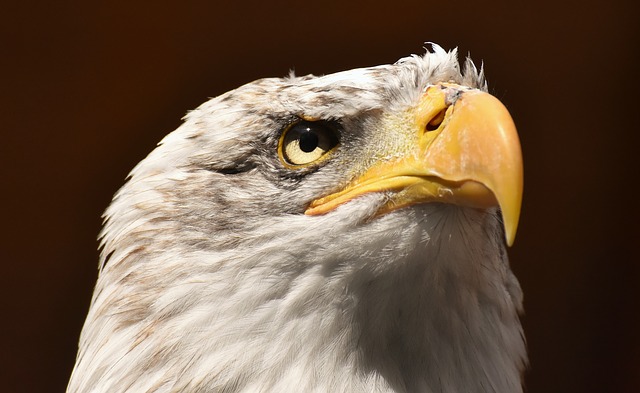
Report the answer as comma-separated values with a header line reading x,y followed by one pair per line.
x,y
305,142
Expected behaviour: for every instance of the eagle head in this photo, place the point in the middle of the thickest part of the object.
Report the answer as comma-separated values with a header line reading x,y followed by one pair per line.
x,y
341,233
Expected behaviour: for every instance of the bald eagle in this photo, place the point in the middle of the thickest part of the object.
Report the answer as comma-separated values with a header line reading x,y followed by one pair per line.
x,y
341,233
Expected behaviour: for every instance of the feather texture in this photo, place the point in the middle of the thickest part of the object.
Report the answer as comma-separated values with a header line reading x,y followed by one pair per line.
x,y
213,280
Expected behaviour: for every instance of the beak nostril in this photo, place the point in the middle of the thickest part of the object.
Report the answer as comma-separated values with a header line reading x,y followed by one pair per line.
x,y
434,123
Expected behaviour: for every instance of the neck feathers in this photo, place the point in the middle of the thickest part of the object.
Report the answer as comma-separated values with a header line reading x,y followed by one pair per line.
x,y
386,305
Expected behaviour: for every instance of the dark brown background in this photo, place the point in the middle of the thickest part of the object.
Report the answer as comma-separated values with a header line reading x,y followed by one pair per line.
x,y
88,89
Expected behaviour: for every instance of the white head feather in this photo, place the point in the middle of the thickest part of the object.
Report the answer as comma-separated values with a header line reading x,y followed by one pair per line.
x,y
212,279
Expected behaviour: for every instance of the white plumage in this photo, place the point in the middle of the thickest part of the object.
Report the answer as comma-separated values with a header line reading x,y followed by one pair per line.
x,y
212,278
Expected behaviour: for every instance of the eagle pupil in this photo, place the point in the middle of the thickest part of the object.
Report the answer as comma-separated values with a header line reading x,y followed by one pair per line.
x,y
308,141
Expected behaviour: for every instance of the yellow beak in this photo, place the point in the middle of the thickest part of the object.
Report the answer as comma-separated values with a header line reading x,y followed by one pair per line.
x,y
465,151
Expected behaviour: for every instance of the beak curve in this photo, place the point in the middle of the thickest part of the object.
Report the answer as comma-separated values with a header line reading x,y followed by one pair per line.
x,y
465,151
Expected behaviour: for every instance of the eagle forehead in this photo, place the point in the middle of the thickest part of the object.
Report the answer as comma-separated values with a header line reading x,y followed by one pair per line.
x,y
344,93
412,71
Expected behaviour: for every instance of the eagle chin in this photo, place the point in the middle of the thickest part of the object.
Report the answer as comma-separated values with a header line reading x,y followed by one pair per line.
x,y
341,233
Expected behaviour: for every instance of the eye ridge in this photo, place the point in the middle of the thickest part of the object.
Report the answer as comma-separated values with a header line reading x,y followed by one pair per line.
x,y
307,142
